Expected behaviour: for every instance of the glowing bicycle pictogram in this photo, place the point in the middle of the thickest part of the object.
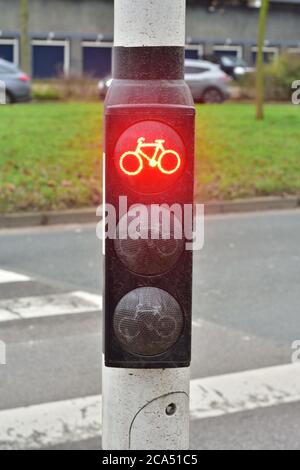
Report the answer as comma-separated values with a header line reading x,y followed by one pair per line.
x,y
167,161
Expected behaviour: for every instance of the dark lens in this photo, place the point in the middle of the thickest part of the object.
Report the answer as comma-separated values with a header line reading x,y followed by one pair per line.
x,y
159,246
148,321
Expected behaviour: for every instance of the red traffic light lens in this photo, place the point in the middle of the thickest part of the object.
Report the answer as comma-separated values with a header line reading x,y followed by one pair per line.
x,y
149,157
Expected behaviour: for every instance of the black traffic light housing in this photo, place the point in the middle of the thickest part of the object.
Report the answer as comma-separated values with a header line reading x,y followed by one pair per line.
x,y
148,284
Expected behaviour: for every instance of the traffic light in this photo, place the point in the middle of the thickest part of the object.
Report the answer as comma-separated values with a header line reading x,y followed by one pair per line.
x,y
149,159
148,194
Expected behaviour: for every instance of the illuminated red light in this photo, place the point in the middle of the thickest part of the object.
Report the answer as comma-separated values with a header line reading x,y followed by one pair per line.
x,y
150,155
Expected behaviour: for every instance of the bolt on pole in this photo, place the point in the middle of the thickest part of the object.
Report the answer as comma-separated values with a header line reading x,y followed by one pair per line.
x,y
147,288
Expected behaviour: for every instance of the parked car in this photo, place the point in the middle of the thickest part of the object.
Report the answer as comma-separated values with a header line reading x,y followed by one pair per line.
x,y
208,83
17,83
233,66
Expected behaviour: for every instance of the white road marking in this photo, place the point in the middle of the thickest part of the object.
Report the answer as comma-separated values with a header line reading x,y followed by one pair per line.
x,y
232,393
72,303
197,323
75,420
91,298
8,276
50,424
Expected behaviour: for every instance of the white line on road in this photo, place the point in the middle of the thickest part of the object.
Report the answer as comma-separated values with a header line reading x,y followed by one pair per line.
x,y
48,306
50,424
232,393
91,298
75,420
8,276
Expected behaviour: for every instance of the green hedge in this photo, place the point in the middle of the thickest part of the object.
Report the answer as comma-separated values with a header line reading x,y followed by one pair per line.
x,y
279,77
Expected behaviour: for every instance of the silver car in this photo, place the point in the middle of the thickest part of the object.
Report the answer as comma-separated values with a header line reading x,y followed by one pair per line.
x,y
17,84
208,83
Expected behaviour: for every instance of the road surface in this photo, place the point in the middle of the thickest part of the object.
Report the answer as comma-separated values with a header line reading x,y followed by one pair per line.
x,y
246,316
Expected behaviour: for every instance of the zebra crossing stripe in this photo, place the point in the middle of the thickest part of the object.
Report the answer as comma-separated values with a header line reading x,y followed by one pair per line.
x,y
9,277
72,303
50,424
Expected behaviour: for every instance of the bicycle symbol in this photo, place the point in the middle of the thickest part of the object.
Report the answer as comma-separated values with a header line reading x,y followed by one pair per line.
x,y
147,319
167,161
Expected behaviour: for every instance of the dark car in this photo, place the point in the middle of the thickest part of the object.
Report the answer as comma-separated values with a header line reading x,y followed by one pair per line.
x,y
15,84
233,66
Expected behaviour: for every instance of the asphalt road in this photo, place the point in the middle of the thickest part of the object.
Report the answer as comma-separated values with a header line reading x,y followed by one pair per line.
x,y
246,317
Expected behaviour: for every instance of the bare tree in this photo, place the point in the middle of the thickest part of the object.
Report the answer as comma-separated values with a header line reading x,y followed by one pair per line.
x,y
260,88
25,45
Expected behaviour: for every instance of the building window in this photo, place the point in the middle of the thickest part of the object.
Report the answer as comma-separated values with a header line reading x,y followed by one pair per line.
x,y
228,51
9,50
97,58
194,51
270,53
51,58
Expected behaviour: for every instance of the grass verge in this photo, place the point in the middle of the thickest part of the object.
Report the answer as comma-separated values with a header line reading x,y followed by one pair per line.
x,y
50,154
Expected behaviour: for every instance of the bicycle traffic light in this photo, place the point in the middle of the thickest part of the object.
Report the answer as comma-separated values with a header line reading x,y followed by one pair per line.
x,y
148,193
149,162
149,182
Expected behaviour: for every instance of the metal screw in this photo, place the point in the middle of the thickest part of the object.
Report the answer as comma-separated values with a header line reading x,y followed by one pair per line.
x,y
171,409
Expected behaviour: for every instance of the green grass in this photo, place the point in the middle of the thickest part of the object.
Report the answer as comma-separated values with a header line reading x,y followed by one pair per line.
x,y
239,157
50,154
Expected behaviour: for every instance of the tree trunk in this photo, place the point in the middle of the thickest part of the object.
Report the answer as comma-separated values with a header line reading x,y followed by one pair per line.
x,y
24,42
260,92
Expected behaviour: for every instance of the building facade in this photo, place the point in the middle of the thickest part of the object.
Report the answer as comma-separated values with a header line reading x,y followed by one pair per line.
x,y
76,36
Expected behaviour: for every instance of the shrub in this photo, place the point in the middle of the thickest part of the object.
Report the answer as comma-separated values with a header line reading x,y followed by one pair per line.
x,y
45,92
82,88
279,76
72,87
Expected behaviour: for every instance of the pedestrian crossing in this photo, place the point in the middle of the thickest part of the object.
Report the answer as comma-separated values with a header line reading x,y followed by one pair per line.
x,y
50,424
58,422
8,276
72,303
21,308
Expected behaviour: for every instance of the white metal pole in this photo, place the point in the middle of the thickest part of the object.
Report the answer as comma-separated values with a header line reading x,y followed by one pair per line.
x,y
146,408
149,23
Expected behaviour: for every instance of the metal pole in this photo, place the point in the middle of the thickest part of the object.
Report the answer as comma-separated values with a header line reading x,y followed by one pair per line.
x,y
147,408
